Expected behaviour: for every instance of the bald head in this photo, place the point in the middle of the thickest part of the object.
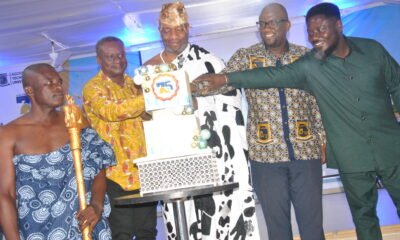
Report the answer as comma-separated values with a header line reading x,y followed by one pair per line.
x,y
277,9
30,71
273,26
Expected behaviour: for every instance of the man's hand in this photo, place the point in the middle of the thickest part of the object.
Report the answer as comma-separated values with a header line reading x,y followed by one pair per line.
x,y
208,83
89,217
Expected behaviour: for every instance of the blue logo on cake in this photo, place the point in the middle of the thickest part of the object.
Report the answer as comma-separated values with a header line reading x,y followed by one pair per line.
x,y
4,80
165,86
165,90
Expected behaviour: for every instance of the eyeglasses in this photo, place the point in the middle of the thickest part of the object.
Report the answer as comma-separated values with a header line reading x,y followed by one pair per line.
x,y
271,24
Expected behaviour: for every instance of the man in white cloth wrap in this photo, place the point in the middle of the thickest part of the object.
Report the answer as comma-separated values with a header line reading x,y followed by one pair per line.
x,y
223,215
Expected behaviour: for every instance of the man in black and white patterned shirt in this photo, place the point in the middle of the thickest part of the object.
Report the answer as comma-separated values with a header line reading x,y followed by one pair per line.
x,y
231,214
284,134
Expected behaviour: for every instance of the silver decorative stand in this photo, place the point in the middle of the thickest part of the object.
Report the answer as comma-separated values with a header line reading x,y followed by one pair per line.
x,y
170,173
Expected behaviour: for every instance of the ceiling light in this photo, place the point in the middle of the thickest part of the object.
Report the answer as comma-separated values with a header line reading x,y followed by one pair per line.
x,y
132,22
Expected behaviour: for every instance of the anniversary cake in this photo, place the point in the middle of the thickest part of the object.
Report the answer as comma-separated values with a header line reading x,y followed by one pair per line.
x,y
177,153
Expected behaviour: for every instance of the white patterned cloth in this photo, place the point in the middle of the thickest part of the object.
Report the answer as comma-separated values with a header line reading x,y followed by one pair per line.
x,y
230,214
47,198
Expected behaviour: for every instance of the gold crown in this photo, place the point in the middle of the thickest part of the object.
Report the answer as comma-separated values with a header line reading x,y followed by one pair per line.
x,y
173,14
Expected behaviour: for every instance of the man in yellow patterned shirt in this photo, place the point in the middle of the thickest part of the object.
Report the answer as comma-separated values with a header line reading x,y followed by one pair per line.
x,y
114,107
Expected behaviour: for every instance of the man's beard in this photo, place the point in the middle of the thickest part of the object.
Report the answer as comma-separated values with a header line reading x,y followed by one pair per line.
x,y
323,54
320,55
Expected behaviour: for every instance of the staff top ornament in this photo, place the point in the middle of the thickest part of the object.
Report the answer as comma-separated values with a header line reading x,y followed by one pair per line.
x,y
73,114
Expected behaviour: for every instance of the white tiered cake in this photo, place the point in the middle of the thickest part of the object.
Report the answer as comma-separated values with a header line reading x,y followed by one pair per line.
x,y
177,154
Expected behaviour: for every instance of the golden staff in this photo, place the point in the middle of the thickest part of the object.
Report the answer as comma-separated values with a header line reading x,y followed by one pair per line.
x,y
73,121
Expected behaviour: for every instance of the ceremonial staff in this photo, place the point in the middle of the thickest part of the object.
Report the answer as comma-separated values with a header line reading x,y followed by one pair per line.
x,y
73,121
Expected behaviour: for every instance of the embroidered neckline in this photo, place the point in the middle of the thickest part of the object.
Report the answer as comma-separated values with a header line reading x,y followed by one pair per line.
x,y
179,59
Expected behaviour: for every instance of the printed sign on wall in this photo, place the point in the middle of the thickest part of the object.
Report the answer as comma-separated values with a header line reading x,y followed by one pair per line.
x,y
13,100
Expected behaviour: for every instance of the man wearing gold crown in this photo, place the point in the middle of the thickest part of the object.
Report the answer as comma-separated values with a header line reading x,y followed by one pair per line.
x,y
222,215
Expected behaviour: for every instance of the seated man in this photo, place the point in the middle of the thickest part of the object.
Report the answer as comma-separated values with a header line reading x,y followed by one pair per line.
x,y
38,191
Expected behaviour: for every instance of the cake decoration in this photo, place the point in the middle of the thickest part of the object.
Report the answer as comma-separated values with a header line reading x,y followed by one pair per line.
x,y
176,147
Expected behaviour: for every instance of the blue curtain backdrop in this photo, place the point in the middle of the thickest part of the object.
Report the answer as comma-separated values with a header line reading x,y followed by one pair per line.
x,y
381,23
